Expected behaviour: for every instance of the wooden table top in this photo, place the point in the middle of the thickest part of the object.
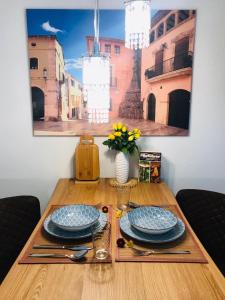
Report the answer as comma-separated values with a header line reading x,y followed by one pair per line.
x,y
122,280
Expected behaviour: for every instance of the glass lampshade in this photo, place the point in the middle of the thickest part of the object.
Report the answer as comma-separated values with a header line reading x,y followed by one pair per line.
x,y
96,87
137,23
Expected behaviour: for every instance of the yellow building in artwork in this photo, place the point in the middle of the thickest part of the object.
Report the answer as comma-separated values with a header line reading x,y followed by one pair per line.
x,y
54,98
75,98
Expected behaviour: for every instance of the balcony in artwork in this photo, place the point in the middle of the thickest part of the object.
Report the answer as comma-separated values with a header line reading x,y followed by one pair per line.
x,y
177,65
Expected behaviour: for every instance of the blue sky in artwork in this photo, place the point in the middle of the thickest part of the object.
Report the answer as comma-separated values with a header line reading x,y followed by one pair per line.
x,y
71,27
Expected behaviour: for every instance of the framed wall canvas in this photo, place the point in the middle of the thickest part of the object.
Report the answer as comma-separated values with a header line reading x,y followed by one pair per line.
x,y
149,88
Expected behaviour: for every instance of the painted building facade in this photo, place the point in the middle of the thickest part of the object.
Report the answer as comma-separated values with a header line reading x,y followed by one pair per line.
x,y
75,98
121,69
50,100
166,68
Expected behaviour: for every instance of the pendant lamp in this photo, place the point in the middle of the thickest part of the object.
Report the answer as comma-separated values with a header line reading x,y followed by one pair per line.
x,y
137,23
96,79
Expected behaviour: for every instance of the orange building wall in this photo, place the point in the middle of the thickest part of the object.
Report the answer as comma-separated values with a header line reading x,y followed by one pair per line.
x,y
122,70
49,87
161,91
162,85
50,57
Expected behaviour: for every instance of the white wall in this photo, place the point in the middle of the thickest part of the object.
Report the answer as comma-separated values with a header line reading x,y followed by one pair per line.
x,y
32,165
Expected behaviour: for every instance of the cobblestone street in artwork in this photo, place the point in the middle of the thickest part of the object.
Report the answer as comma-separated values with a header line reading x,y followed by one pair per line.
x,y
81,127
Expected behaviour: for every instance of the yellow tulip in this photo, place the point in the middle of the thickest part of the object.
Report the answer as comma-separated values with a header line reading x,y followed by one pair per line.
x,y
124,128
117,133
111,137
131,137
115,126
136,130
119,213
137,135
119,125
130,244
130,133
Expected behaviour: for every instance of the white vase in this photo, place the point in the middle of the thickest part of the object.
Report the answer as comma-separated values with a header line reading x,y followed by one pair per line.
x,y
122,167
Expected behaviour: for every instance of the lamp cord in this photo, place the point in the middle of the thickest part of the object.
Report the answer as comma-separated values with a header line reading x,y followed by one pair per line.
x,y
96,22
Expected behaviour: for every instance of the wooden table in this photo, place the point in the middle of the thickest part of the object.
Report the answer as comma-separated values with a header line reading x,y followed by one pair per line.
x,y
123,280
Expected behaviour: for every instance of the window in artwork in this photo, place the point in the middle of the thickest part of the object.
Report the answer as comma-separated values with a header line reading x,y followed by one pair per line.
x,y
183,15
160,29
33,63
170,22
152,36
107,48
117,49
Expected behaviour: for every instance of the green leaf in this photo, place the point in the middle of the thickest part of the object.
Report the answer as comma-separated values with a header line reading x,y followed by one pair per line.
x,y
124,150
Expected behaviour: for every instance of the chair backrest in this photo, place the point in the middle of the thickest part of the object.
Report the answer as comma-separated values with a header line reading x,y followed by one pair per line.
x,y
18,217
205,211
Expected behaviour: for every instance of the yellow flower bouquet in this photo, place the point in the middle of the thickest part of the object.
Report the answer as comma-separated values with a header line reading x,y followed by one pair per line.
x,y
122,139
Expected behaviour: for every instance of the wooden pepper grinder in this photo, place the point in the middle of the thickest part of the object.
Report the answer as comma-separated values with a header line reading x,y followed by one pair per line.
x,y
86,162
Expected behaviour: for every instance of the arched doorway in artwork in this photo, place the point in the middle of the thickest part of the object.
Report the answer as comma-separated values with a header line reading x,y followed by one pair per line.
x,y
151,107
38,98
179,108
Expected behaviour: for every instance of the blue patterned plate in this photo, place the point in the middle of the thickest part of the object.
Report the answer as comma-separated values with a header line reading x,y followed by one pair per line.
x,y
169,236
75,217
151,219
64,234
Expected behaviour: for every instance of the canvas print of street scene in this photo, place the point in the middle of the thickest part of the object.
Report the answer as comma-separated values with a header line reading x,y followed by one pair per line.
x,y
149,88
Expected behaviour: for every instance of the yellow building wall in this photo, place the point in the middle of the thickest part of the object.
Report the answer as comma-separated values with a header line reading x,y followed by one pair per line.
x,y
75,97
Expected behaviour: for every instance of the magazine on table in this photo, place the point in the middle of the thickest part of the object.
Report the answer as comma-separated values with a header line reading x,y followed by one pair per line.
x,y
149,166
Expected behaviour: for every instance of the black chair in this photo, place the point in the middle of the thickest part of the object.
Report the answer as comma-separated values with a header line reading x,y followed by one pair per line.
x,y
205,212
18,217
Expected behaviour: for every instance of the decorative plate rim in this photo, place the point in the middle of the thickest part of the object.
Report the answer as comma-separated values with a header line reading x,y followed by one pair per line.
x,y
153,238
65,234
